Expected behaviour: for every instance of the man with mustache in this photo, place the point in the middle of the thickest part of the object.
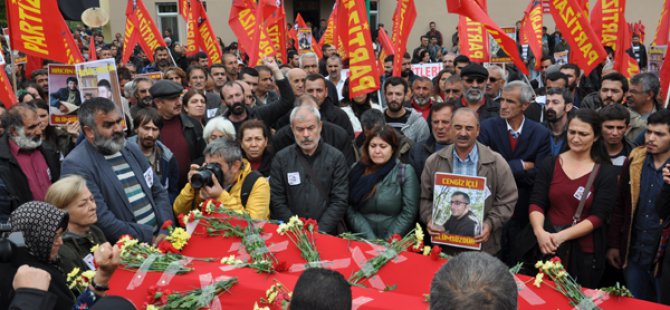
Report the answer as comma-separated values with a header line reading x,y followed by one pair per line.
x,y
422,91
309,179
636,227
27,166
181,133
161,61
557,108
405,120
128,194
474,77
147,125
469,157
140,98
641,100
613,89
238,112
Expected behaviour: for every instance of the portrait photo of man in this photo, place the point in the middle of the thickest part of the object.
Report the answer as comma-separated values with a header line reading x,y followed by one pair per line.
x,y
462,221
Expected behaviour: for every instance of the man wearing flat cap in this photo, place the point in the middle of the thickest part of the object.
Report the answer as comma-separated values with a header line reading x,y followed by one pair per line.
x,y
181,133
474,78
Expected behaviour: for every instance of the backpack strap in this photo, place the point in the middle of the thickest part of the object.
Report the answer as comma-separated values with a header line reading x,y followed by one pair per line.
x,y
247,185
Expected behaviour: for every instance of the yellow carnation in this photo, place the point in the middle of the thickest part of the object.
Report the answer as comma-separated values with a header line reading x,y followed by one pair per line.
x,y
538,279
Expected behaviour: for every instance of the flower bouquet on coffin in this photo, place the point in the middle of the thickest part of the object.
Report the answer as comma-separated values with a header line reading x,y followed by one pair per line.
x,y
563,283
78,280
413,241
261,258
175,241
277,297
137,255
301,233
164,298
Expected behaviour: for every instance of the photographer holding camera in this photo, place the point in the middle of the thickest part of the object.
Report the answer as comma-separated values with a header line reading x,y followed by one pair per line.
x,y
226,177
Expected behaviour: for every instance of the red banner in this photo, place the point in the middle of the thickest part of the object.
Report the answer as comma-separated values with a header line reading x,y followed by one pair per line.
x,y
473,40
7,95
206,36
316,48
130,35
585,48
403,21
275,25
140,28
605,19
357,42
92,55
184,9
471,9
664,74
193,42
36,28
331,35
531,30
623,62
661,36
386,47
243,21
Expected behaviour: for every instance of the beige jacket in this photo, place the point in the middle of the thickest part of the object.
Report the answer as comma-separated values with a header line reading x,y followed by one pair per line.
x,y
499,206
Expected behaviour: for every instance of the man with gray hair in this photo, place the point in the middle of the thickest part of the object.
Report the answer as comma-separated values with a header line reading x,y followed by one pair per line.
x,y
226,177
27,166
309,62
309,179
473,280
494,83
641,100
128,194
523,143
139,96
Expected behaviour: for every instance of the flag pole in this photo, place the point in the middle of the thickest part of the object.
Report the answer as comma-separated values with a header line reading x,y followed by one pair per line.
x,y
667,97
11,67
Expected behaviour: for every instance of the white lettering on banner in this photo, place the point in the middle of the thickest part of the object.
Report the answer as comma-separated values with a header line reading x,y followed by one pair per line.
x,y
428,70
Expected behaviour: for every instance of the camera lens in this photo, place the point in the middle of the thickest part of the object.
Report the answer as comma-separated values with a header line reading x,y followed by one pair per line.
x,y
201,178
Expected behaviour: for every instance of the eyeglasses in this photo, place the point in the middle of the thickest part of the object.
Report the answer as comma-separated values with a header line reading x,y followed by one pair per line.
x,y
470,80
458,203
449,91
493,80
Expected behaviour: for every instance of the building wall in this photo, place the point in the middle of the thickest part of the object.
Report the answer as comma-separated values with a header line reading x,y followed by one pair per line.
x,y
504,12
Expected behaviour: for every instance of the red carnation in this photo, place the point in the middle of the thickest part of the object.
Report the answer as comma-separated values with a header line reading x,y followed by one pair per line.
x,y
555,259
166,247
395,237
167,224
180,218
418,248
313,223
435,252
281,266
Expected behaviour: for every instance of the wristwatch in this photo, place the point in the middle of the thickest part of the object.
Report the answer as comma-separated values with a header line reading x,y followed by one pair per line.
x,y
98,287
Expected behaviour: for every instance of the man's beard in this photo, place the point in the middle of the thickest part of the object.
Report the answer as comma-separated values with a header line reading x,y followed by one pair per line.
x,y
148,143
145,102
551,116
421,101
395,107
474,95
163,63
111,145
237,108
405,73
24,142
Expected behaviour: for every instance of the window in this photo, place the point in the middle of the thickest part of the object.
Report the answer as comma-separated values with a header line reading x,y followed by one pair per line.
x,y
168,19
374,14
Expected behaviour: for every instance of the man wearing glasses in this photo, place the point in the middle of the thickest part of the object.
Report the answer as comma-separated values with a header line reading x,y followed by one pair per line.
x,y
495,82
474,78
463,221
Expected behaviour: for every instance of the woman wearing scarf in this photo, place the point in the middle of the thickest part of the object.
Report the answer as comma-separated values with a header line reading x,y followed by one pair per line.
x,y
42,226
383,192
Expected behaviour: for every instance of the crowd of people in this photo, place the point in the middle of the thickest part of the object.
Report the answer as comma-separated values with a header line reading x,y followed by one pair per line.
x,y
576,166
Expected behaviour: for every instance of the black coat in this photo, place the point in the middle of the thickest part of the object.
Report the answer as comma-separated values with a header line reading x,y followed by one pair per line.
x,y
270,113
64,298
14,189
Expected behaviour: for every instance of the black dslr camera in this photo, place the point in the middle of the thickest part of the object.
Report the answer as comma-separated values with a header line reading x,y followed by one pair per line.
x,y
9,242
204,175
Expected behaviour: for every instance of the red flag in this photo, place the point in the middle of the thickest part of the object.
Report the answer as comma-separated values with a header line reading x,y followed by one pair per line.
x,y
261,46
470,9
531,30
331,35
206,37
473,40
586,51
7,95
403,21
33,63
92,55
275,24
316,48
664,74
605,22
357,42
243,21
37,28
661,36
130,35
184,8
193,41
140,28
386,47
623,62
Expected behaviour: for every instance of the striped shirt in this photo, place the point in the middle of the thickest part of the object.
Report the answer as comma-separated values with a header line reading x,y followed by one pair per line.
x,y
467,166
139,203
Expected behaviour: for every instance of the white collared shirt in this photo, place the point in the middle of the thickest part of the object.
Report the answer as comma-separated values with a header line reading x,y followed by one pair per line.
x,y
517,132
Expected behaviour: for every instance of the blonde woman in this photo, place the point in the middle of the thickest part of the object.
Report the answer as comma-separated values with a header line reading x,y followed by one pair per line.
x,y
72,195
